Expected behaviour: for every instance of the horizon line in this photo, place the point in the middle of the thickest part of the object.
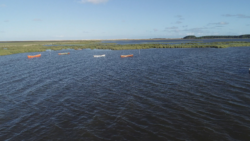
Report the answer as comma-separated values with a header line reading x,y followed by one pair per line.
x,y
91,39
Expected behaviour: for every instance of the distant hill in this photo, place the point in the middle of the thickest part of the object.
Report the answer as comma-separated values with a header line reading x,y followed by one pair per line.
x,y
216,37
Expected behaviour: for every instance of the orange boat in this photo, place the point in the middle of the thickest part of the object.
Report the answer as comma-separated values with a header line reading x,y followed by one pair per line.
x,y
130,55
34,56
63,53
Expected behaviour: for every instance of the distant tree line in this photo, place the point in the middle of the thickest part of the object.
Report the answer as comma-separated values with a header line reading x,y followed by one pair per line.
x,y
216,37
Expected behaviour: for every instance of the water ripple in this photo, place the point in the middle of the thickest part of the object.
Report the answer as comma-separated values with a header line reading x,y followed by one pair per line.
x,y
161,94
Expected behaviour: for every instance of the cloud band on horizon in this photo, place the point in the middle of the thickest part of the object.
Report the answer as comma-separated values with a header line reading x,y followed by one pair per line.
x,y
94,1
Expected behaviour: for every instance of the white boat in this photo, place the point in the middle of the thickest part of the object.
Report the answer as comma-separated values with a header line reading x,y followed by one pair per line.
x,y
99,55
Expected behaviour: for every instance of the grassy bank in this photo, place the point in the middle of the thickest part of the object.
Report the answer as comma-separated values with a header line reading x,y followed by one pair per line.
x,y
40,46
23,47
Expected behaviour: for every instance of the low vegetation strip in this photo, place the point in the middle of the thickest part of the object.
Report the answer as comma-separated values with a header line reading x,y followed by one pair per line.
x,y
24,47
218,37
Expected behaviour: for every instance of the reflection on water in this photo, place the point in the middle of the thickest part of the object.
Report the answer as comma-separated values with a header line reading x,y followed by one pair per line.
x,y
159,94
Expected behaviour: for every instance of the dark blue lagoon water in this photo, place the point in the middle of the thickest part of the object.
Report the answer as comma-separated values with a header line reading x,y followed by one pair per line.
x,y
159,94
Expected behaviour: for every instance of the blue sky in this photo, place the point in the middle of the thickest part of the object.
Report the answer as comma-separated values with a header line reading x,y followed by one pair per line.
x,y
121,19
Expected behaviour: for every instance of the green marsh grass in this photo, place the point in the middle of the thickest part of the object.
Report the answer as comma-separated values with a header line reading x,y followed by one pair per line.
x,y
39,46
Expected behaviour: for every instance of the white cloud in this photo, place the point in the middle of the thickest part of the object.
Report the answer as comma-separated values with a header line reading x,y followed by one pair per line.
x,y
173,27
180,17
194,30
178,22
223,23
237,15
2,5
219,23
94,1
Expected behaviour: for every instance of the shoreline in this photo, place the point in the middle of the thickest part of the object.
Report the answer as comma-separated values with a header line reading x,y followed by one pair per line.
x,y
8,48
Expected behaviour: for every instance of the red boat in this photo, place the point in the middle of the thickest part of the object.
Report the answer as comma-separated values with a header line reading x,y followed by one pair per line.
x,y
34,56
130,55
63,53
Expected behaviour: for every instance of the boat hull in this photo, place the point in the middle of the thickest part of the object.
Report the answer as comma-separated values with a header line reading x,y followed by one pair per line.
x,y
63,53
124,56
99,55
34,56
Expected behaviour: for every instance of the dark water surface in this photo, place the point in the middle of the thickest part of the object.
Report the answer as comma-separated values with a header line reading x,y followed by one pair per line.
x,y
159,94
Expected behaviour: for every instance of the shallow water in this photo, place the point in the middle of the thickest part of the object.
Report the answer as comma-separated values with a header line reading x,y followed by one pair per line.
x,y
159,94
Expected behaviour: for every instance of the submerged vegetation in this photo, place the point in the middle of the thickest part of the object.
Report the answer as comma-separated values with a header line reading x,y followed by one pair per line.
x,y
7,48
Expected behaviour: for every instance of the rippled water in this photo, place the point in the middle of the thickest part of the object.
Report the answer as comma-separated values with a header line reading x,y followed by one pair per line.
x,y
159,94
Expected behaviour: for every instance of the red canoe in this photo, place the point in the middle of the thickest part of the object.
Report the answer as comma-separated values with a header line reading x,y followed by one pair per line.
x,y
130,55
63,53
34,56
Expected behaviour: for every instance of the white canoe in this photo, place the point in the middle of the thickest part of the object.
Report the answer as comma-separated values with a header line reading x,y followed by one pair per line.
x,y
99,55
